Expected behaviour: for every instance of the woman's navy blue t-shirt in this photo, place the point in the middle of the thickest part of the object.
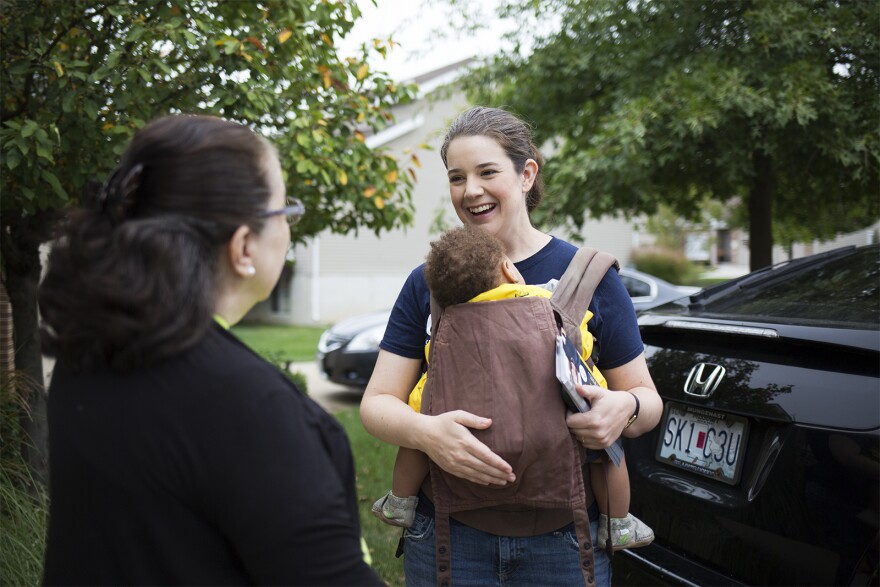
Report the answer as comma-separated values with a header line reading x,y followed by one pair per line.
x,y
613,324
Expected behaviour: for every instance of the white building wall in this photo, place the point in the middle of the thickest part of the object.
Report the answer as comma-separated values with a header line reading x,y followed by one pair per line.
x,y
342,275
615,235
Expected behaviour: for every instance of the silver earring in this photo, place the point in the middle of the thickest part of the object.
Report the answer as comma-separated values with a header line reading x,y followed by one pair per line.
x,y
251,271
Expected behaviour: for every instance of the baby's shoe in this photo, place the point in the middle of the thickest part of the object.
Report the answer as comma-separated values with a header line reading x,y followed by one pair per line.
x,y
628,532
397,511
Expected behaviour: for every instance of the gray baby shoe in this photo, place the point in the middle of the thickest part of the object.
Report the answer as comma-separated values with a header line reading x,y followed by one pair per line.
x,y
397,511
628,532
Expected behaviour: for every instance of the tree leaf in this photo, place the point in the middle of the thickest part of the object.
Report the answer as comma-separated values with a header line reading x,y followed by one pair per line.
x,y
230,46
56,185
13,158
30,127
45,151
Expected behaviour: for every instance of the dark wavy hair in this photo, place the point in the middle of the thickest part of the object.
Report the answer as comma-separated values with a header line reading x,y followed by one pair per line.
x,y
132,278
511,133
462,264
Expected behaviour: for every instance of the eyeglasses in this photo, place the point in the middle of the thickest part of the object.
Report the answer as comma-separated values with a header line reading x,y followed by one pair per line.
x,y
294,211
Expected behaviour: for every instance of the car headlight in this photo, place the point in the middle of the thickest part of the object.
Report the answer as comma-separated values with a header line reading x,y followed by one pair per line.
x,y
329,341
368,340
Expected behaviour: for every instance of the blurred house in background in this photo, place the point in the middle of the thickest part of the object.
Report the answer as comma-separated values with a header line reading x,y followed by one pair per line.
x,y
720,245
337,276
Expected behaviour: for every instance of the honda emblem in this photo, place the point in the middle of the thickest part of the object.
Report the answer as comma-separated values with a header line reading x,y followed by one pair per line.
x,y
704,379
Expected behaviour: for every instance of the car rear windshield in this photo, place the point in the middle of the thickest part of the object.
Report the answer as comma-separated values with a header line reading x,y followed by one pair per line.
x,y
844,291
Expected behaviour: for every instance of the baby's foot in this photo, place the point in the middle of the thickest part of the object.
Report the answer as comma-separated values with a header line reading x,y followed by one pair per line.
x,y
397,511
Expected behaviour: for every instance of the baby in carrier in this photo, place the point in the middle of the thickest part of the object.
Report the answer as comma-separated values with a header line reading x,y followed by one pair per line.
x,y
467,265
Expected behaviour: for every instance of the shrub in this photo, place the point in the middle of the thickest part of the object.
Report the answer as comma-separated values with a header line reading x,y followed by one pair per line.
x,y
23,509
283,363
666,264
299,379
23,501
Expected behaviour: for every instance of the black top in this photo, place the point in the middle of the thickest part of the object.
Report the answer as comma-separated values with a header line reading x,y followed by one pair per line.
x,y
209,468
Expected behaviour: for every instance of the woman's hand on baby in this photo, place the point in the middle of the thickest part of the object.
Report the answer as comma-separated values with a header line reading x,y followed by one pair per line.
x,y
603,424
450,444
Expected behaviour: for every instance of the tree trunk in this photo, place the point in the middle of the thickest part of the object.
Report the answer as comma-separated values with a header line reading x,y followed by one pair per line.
x,y
21,238
761,212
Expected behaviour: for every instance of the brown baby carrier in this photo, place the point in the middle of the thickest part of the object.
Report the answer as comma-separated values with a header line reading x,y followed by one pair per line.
x,y
497,360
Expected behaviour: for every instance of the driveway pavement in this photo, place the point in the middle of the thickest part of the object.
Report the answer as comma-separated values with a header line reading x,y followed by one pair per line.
x,y
331,396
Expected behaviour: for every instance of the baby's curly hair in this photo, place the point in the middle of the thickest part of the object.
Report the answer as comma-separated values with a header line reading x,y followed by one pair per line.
x,y
462,264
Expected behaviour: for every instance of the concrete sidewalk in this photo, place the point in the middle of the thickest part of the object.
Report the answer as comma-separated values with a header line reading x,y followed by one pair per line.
x,y
726,271
331,396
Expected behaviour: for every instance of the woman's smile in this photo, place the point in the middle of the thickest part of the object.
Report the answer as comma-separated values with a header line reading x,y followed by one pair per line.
x,y
482,209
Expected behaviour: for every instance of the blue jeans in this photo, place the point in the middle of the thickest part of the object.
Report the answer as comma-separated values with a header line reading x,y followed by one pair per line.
x,y
485,559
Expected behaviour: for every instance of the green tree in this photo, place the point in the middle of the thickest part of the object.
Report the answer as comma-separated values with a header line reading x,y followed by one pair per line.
x,y
80,76
771,103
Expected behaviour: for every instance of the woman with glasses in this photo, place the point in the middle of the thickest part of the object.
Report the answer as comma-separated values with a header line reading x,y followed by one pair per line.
x,y
177,455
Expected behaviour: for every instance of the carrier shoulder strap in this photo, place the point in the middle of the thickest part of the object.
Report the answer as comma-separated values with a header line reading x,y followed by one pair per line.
x,y
580,280
577,286
571,300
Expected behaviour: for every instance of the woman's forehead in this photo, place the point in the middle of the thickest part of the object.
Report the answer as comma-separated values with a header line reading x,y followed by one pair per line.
x,y
475,150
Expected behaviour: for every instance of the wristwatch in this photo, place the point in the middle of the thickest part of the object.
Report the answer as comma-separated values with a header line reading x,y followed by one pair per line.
x,y
635,415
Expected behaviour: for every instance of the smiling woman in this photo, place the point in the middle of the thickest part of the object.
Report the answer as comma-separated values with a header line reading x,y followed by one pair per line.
x,y
494,173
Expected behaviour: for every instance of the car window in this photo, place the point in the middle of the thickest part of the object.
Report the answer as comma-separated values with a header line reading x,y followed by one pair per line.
x,y
636,288
844,291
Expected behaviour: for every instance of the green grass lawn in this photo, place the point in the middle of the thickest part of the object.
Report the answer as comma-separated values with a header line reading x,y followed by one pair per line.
x,y
280,342
373,461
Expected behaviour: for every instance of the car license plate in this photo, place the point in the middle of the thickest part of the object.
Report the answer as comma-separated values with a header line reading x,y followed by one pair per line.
x,y
704,441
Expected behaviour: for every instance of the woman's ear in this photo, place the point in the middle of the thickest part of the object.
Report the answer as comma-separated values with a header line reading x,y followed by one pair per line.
x,y
240,252
529,173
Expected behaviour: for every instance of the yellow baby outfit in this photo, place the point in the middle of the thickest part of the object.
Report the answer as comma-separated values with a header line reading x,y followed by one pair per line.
x,y
503,292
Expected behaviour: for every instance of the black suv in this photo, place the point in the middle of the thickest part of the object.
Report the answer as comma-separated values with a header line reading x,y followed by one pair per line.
x,y
765,468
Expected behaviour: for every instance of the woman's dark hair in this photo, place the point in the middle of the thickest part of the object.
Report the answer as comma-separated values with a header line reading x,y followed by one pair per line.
x,y
462,264
511,133
133,276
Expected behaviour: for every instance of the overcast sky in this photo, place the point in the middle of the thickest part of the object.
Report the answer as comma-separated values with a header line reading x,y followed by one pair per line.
x,y
414,25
